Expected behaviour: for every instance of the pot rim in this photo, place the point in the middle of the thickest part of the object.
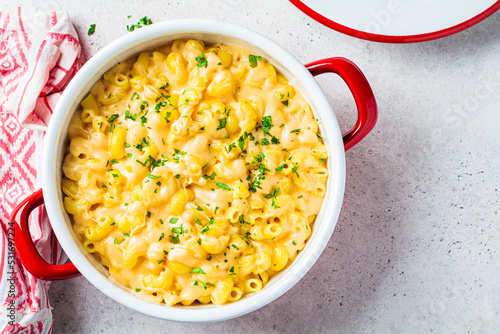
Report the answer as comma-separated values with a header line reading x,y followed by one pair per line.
x,y
55,144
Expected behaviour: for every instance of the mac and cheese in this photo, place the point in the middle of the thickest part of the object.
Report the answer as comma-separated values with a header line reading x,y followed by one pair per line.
x,y
194,173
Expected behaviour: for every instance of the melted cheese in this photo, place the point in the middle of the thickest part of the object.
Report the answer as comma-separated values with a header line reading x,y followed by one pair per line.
x,y
192,169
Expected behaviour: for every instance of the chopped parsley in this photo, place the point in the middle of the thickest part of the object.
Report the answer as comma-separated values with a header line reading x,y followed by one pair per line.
x,y
128,115
91,29
211,177
202,61
174,239
180,152
113,117
152,176
205,230
252,59
197,271
207,283
177,230
143,21
267,124
241,143
173,220
258,158
241,218
223,186
222,124
167,115
233,145
274,194
257,180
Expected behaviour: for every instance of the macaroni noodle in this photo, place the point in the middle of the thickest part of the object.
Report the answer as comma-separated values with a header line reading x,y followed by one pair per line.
x,y
194,173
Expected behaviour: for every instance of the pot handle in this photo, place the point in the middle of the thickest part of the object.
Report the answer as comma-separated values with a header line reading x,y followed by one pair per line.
x,y
361,91
26,250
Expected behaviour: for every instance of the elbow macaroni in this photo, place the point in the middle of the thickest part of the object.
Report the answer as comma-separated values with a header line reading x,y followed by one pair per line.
x,y
194,173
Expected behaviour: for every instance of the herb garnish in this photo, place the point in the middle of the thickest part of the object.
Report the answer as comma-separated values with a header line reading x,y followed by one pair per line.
x,y
113,117
91,29
145,21
252,59
197,271
267,124
207,283
273,194
222,123
202,61
211,177
222,185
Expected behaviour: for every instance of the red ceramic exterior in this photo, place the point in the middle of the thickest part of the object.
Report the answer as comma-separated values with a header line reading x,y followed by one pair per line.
x,y
26,250
361,91
396,39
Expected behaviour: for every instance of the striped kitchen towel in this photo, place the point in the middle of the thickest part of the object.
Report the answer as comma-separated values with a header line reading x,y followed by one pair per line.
x,y
39,54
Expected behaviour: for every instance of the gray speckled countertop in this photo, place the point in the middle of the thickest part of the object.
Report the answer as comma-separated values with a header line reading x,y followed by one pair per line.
x,y
417,246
